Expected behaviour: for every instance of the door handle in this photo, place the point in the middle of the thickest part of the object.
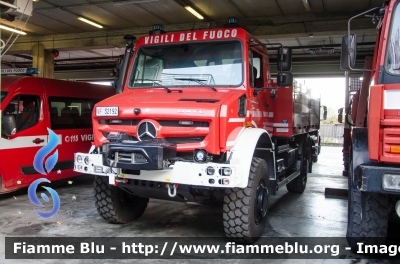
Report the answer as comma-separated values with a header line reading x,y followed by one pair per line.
x,y
38,141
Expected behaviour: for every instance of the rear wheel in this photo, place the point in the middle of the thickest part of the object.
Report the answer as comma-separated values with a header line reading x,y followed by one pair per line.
x,y
115,205
298,185
245,210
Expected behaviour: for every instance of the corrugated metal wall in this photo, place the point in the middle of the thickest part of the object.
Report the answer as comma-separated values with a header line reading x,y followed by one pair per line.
x,y
332,133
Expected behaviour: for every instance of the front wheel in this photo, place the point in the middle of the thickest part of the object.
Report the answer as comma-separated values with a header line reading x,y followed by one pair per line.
x,y
245,210
115,205
369,227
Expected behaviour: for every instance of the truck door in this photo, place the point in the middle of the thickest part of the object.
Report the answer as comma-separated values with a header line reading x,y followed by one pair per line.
x,y
19,150
257,80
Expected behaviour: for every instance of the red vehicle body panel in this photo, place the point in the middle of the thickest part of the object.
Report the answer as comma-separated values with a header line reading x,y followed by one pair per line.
x,y
383,124
18,151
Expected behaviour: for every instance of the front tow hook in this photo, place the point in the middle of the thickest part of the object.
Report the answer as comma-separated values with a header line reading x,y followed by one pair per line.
x,y
171,189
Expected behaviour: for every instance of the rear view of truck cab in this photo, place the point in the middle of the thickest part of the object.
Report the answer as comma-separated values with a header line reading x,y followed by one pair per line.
x,y
200,118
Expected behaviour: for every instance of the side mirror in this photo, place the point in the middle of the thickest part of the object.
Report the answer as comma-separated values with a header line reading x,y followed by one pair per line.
x,y
325,115
284,79
340,115
349,51
284,59
8,125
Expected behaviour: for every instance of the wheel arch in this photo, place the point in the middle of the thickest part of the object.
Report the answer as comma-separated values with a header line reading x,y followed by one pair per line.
x,y
253,142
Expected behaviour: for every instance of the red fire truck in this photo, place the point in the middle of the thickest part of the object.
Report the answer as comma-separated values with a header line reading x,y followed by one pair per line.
x,y
198,117
374,148
30,105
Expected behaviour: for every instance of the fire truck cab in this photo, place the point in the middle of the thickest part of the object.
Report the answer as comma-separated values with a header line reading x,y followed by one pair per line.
x,y
200,118
374,147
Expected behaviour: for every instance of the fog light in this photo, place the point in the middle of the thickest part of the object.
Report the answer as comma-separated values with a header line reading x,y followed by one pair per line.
x,y
391,181
80,167
210,171
86,168
200,155
79,158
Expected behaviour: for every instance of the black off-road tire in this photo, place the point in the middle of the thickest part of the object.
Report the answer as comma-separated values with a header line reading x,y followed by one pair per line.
x,y
298,185
371,226
115,205
245,210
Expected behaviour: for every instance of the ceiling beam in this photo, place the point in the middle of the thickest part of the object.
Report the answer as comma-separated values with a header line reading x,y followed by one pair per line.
x,y
264,27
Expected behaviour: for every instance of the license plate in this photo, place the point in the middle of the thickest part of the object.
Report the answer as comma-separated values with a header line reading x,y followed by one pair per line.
x,y
138,158
107,111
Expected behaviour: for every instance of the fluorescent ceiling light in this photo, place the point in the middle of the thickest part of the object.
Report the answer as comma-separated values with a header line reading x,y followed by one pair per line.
x,y
194,12
90,22
13,30
306,4
132,2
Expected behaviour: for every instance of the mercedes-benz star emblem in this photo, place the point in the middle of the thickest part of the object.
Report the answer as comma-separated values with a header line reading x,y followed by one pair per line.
x,y
146,131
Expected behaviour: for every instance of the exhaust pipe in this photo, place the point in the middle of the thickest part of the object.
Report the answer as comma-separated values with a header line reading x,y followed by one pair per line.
x,y
397,207
122,68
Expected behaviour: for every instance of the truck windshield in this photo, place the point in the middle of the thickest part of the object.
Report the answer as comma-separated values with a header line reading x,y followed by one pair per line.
x,y
194,64
2,96
393,48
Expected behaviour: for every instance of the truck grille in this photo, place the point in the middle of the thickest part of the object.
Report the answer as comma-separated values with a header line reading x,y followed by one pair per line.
x,y
184,140
165,123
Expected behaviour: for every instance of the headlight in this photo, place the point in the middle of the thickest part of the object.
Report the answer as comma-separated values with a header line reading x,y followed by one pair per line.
x,y
200,155
210,170
80,167
391,181
86,160
227,171
79,158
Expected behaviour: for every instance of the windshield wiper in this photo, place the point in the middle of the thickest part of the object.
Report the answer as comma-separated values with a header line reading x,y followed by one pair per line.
x,y
200,81
159,84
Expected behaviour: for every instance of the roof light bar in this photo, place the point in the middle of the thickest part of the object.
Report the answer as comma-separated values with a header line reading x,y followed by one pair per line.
x,y
13,30
90,22
194,12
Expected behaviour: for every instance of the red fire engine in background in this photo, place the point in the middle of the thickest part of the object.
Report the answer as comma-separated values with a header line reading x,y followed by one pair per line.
x,y
199,117
374,145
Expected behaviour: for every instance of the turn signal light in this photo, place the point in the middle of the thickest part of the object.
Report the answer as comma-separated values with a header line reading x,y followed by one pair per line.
x,y
395,149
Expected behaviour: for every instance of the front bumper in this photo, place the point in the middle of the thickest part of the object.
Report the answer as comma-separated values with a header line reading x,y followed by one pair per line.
x,y
371,178
188,173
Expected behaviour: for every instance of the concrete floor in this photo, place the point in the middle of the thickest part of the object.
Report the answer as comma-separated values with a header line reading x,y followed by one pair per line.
x,y
308,215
